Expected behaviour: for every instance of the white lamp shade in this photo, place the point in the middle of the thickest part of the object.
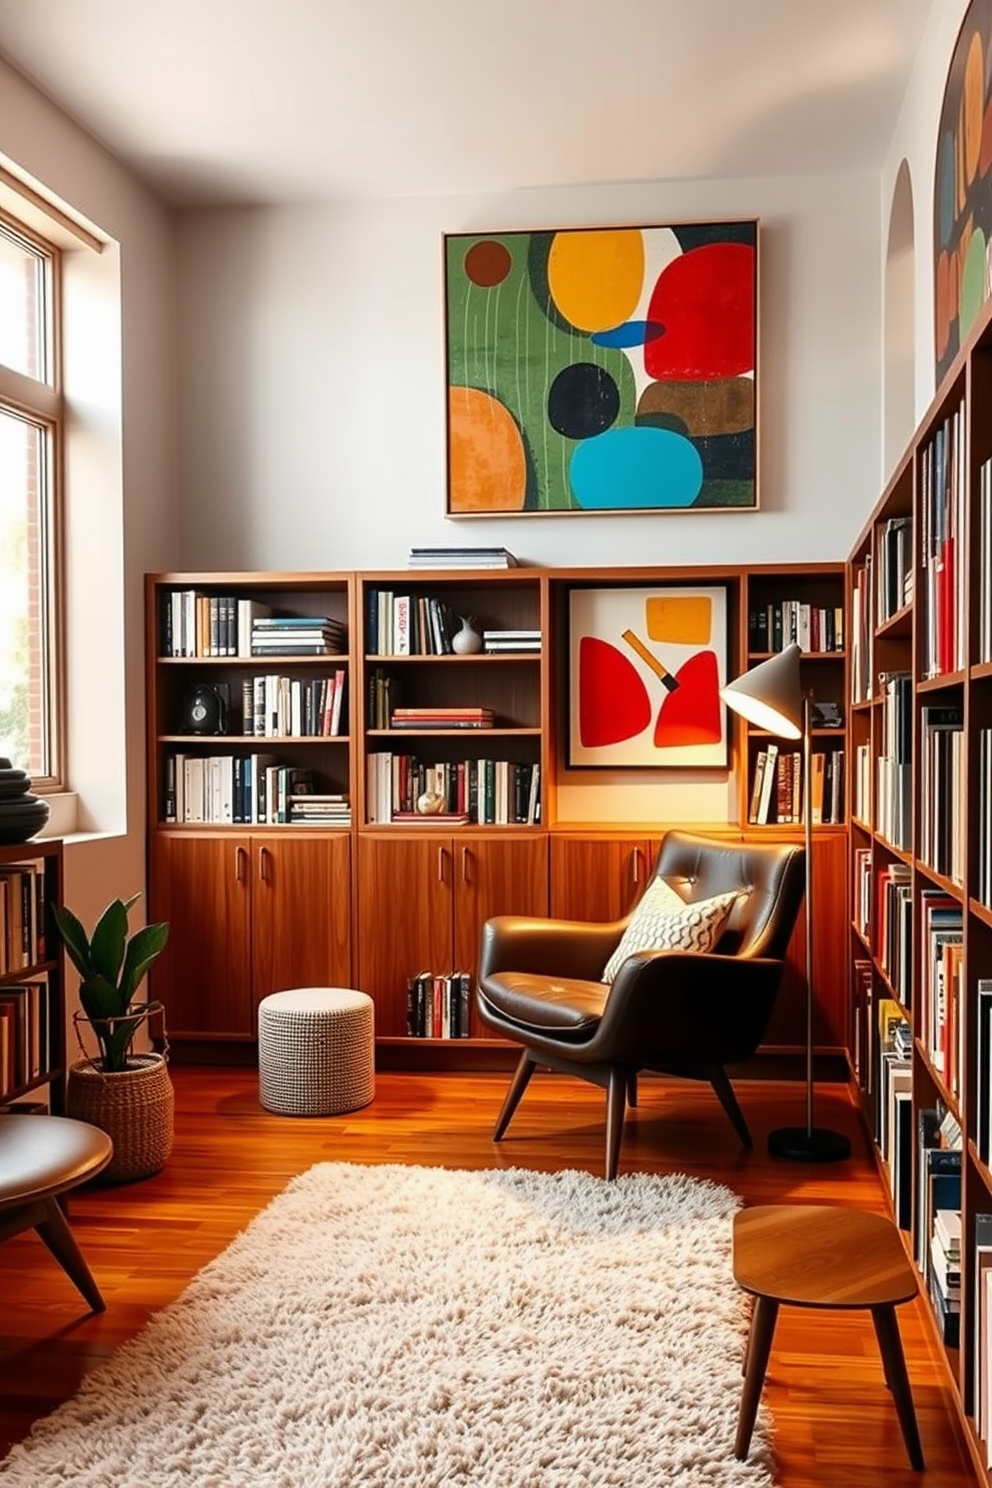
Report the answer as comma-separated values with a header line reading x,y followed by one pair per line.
x,y
770,695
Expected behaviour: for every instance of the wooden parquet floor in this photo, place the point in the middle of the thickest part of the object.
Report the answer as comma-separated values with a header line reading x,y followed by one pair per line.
x,y
834,1421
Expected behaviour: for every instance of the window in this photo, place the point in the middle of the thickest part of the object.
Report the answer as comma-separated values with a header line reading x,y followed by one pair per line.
x,y
30,441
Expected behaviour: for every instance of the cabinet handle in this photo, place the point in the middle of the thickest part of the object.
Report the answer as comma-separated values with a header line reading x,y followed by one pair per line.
x,y
442,853
263,858
240,862
466,860
637,865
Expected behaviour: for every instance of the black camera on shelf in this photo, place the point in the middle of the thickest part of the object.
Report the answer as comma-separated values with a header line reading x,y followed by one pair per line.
x,y
205,709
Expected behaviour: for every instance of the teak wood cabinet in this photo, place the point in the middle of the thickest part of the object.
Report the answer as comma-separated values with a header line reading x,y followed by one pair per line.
x,y
260,896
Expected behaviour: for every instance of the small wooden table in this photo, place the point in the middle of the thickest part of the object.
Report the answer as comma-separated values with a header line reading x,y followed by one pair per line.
x,y
817,1255
42,1157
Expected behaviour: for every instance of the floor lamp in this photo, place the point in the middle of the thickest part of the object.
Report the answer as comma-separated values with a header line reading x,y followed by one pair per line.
x,y
770,696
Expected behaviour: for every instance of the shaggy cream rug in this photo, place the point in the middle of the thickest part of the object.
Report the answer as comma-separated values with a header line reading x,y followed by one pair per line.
x,y
383,1326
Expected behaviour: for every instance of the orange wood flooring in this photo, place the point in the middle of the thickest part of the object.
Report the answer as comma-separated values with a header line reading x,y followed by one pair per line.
x,y
834,1421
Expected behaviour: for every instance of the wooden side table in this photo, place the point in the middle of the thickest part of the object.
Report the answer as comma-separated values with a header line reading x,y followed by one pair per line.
x,y
817,1255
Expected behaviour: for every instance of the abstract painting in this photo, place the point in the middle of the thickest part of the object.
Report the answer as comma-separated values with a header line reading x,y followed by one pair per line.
x,y
602,370
645,671
962,189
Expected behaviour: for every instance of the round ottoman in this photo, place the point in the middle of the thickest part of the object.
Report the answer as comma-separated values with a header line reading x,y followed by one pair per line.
x,y
315,1051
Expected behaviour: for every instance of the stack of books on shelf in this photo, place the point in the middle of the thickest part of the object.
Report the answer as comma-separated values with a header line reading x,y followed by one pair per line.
x,y
437,1006
465,557
861,874
938,1189
24,1033
774,626
980,1273
863,996
312,810
236,789
442,718
22,915
942,836
496,642
862,634
893,568
894,1106
983,878
489,792
983,1041
275,707
941,1029
942,577
945,1268
895,925
984,635
894,782
408,624
297,635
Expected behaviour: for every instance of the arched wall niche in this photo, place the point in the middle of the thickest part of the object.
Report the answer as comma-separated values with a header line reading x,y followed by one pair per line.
x,y
900,320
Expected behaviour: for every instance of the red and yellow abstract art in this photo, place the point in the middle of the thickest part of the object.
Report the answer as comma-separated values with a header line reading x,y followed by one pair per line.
x,y
646,668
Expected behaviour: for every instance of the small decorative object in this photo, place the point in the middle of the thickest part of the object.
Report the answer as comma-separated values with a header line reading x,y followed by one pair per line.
x,y
22,815
205,710
127,1095
466,641
430,803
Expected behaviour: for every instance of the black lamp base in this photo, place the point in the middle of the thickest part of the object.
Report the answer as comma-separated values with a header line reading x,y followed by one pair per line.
x,y
802,1144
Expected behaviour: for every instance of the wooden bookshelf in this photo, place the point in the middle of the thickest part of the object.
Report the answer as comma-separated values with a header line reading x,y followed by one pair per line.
x,y
32,987
920,922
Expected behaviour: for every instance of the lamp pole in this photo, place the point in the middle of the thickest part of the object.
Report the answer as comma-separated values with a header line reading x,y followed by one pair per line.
x,y
809,1143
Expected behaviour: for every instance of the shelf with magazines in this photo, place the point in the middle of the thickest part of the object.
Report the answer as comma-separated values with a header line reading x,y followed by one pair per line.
x,y
32,990
921,735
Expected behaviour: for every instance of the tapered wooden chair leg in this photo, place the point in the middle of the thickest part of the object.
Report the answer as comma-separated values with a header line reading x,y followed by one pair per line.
x,y
758,1349
616,1105
521,1079
728,1100
897,1379
55,1232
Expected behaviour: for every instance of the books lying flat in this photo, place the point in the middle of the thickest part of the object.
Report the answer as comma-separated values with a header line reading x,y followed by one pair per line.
x,y
462,558
431,819
421,718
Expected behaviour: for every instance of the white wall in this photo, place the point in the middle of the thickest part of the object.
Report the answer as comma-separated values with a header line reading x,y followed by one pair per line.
x,y
123,515
312,379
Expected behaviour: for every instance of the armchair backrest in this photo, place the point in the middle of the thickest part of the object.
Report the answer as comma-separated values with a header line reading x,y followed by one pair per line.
x,y
770,875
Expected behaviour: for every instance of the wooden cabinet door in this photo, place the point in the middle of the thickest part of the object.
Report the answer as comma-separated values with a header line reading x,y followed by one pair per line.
x,y
599,878
495,876
201,884
301,911
404,919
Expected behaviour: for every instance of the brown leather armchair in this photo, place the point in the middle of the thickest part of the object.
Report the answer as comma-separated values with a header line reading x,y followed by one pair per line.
x,y
676,1012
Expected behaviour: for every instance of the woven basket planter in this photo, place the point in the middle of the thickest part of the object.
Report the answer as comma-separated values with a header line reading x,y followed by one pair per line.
x,y
135,1107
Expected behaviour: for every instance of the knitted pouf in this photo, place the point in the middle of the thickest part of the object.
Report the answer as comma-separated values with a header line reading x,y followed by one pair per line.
x,y
315,1051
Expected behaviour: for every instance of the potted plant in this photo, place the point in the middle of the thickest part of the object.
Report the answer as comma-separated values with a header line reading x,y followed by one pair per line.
x,y
128,1095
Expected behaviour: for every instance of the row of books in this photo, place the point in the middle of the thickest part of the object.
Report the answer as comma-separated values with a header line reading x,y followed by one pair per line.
x,y
893,1106
408,624
893,935
22,916
438,1005
894,567
777,786
983,865
983,638
489,792
776,625
24,1034
246,789
197,624
462,557
938,1169
943,635
861,783
940,1020
862,633
861,873
983,1069
941,837
894,780
275,707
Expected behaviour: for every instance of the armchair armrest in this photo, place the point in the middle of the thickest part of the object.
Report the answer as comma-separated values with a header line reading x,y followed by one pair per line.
x,y
688,1007
558,948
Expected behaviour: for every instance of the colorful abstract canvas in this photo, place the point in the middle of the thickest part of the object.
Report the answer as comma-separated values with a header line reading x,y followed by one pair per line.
x,y
645,671
602,370
962,189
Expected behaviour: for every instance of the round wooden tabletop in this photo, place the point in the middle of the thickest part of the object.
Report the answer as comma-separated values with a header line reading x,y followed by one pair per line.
x,y
820,1255
41,1156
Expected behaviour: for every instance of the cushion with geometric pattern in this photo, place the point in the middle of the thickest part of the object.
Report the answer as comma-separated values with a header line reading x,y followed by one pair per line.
x,y
663,921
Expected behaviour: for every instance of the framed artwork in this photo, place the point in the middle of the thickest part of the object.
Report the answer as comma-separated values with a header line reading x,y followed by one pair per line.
x,y
602,370
645,671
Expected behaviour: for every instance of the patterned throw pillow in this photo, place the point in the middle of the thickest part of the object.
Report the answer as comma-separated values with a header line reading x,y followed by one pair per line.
x,y
663,921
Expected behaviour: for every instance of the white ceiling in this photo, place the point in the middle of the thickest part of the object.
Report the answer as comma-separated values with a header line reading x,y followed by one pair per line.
x,y
239,101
